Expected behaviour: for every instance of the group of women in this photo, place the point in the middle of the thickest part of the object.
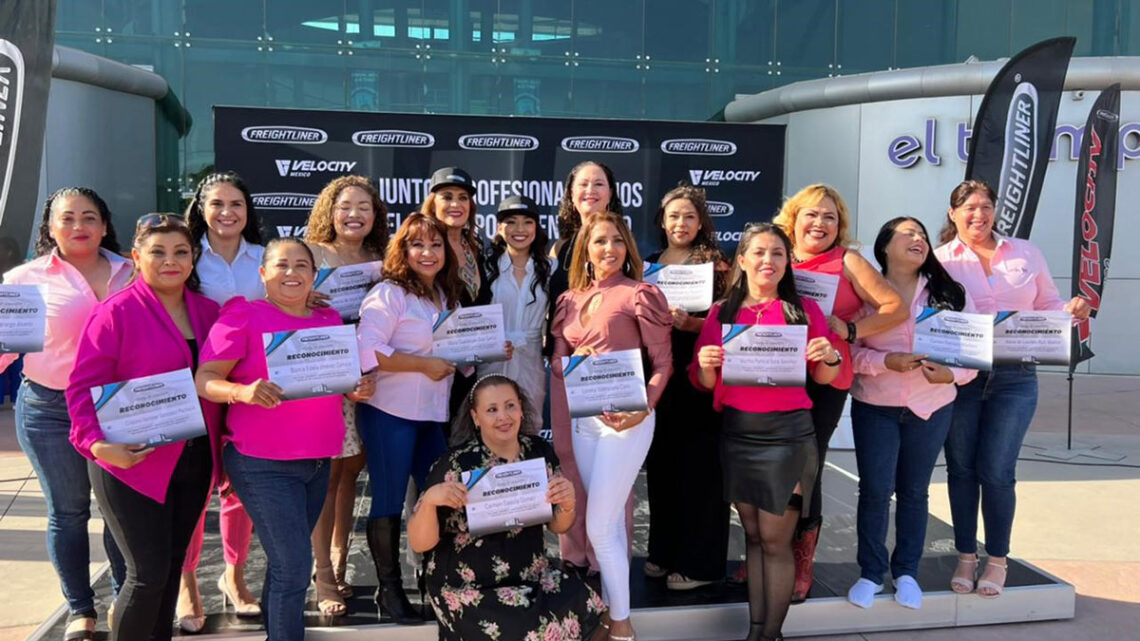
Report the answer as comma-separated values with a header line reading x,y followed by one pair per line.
x,y
203,290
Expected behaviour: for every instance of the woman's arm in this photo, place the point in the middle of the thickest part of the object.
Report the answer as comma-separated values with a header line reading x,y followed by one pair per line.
x,y
708,355
560,494
380,316
423,526
211,383
874,290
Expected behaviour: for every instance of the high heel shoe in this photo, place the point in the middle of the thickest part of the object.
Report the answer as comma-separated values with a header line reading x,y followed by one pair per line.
x,y
963,585
340,574
241,609
329,601
190,599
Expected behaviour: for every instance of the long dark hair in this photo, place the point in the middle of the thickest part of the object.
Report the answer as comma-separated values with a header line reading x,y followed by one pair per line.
x,y
958,197
569,222
944,291
704,247
537,254
463,427
738,282
45,243
196,218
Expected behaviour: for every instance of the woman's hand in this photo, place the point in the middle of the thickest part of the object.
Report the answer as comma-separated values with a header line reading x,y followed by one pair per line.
x,y
261,392
437,368
903,361
838,326
584,350
121,455
317,299
560,493
621,421
710,357
451,494
1079,308
680,318
937,373
365,388
509,348
819,350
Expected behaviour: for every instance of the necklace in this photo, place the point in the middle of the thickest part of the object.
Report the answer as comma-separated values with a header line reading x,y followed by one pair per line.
x,y
761,307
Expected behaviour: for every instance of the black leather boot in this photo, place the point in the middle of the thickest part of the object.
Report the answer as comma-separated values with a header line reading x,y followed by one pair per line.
x,y
384,544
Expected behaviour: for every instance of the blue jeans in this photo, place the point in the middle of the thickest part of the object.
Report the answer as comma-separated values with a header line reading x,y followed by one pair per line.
x,y
42,428
991,416
396,448
895,452
284,500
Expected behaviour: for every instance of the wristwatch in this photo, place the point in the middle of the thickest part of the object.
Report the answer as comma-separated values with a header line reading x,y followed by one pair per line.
x,y
838,360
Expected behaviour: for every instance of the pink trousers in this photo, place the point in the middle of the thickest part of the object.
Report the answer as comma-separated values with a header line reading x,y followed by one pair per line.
x,y
236,528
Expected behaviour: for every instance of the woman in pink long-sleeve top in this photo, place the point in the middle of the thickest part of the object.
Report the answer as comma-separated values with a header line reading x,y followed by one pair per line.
x,y
150,497
607,309
993,412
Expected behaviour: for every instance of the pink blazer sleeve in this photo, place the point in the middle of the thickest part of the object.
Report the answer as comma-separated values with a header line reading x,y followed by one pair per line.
x,y
99,351
709,335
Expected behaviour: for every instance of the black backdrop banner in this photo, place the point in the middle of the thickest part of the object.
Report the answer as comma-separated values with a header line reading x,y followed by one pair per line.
x,y
287,156
27,35
1095,213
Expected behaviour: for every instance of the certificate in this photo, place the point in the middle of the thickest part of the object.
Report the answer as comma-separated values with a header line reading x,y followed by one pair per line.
x,y
1037,337
506,497
956,339
819,287
23,317
347,286
320,361
610,382
764,355
154,410
689,287
469,335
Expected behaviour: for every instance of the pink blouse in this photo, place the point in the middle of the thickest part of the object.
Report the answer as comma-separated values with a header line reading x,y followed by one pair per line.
x,y
847,304
632,315
303,429
1020,278
877,385
70,300
758,399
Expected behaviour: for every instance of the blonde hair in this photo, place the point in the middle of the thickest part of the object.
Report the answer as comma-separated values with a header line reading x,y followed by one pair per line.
x,y
580,276
811,196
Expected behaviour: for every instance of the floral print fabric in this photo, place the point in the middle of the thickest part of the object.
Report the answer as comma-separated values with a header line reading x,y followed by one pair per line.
x,y
502,586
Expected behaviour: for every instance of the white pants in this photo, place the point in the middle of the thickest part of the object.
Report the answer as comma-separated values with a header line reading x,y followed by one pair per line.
x,y
609,462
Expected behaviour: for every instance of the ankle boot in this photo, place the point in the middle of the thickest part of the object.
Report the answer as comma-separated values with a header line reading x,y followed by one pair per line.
x,y
804,550
384,543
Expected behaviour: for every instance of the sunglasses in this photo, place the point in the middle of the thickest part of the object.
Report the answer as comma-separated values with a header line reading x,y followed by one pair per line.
x,y
150,221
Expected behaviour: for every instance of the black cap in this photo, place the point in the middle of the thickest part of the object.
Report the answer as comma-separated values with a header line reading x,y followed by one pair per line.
x,y
518,205
452,177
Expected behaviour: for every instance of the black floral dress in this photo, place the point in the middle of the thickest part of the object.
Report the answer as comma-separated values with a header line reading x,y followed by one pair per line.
x,y
502,586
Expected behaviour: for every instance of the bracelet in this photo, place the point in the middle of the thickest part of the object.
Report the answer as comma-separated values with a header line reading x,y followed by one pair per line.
x,y
233,394
850,332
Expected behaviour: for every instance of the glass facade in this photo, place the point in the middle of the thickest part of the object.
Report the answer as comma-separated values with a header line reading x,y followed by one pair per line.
x,y
656,59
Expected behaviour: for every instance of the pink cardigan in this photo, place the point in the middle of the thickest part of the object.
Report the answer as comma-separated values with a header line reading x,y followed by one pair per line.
x,y
130,335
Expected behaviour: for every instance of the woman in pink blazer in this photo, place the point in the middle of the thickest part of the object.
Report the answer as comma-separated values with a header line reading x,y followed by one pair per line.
x,y
150,496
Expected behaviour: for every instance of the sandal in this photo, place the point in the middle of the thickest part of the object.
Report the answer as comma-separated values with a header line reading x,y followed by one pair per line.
x,y
329,601
961,584
678,581
84,634
986,584
340,569
654,571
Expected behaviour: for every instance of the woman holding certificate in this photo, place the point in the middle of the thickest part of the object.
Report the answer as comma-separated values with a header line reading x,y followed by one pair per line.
x,y
77,260
605,310
768,450
590,188
815,219
992,413
151,495
518,274
347,226
900,414
688,517
225,225
276,450
402,422
499,584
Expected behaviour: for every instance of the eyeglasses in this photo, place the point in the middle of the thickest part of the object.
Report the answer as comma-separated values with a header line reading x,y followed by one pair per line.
x,y
150,221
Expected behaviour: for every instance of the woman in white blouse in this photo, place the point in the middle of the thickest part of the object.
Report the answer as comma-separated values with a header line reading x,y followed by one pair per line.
x,y
519,274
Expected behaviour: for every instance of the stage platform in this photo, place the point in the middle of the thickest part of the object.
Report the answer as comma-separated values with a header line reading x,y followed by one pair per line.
x,y
717,611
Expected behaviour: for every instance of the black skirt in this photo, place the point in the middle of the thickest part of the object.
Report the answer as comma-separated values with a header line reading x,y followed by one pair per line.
x,y
764,455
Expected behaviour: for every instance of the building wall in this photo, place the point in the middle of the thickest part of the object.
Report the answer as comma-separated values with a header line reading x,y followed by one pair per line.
x,y
657,59
849,148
